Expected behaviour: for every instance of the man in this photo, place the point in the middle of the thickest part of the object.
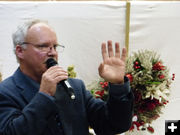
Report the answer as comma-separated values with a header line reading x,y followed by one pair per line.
x,y
32,102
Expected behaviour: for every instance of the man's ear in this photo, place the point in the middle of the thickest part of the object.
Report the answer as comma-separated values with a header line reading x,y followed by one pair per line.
x,y
19,51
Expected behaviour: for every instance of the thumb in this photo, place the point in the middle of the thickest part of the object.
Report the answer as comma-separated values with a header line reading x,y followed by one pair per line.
x,y
101,68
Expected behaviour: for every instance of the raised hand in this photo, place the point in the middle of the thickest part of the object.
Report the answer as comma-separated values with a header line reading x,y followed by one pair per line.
x,y
112,69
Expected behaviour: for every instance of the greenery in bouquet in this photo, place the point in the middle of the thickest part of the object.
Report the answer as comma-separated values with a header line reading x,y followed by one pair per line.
x,y
71,72
150,83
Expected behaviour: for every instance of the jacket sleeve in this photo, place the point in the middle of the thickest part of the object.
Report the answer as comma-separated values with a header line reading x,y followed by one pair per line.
x,y
113,116
31,120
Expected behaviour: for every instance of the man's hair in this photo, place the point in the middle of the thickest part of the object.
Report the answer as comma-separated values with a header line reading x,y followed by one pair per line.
x,y
20,34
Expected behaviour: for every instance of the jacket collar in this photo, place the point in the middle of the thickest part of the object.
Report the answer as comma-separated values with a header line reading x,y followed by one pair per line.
x,y
29,87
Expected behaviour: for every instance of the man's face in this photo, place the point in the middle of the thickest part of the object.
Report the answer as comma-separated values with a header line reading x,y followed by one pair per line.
x,y
33,60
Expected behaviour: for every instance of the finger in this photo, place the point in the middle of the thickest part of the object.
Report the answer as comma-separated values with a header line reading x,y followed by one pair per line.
x,y
55,71
54,68
59,73
117,50
56,75
124,53
110,49
60,78
104,52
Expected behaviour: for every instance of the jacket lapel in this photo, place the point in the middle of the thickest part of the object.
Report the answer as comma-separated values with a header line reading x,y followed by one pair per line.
x,y
28,89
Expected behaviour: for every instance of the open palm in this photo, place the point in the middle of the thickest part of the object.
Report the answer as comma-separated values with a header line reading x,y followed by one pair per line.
x,y
112,69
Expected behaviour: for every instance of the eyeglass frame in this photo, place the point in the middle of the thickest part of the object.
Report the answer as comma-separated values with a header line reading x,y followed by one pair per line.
x,y
40,46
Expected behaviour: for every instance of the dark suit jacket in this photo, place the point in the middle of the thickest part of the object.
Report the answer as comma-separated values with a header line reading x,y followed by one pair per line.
x,y
25,111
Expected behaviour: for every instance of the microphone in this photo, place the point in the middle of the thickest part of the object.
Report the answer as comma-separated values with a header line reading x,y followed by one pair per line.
x,y
51,62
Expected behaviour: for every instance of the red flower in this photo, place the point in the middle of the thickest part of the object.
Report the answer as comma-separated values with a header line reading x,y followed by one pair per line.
x,y
103,84
151,106
150,129
136,63
131,128
173,76
161,76
135,123
158,66
130,77
99,94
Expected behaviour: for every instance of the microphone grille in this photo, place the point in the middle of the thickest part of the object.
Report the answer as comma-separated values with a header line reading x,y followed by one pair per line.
x,y
51,62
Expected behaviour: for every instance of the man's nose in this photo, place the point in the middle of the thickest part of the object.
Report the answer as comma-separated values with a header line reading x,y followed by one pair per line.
x,y
52,51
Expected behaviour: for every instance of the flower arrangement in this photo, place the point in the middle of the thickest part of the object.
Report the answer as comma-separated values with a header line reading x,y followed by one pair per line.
x,y
150,83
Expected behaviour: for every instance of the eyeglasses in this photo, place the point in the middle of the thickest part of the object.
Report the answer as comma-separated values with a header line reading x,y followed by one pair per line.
x,y
46,47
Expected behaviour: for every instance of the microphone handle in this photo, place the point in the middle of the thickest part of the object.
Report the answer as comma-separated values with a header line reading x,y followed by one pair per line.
x,y
69,89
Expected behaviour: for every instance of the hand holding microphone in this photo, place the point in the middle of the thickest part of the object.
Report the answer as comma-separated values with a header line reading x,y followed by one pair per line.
x,y
50,63
51,78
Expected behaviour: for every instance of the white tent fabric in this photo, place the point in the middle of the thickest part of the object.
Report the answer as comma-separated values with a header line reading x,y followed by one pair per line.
x,y
83,26
80,26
